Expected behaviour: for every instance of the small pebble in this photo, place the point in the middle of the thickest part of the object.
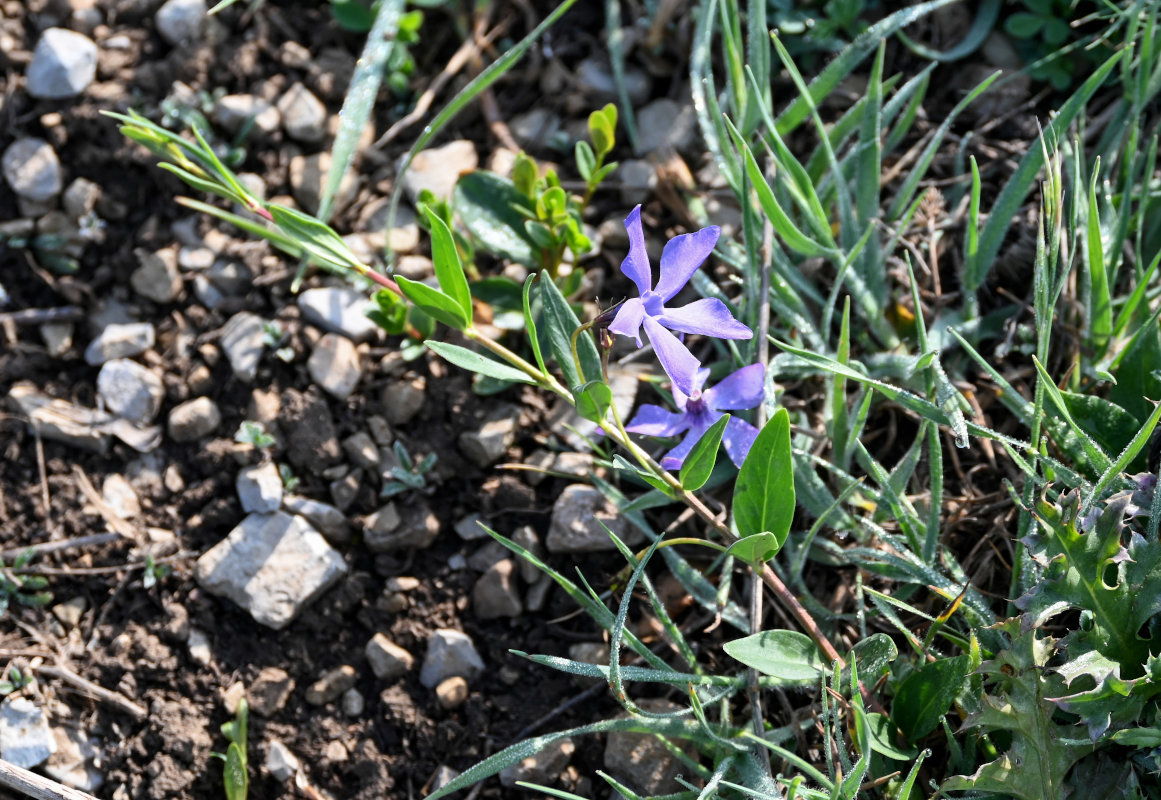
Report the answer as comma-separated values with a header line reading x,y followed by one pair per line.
x,y
452,693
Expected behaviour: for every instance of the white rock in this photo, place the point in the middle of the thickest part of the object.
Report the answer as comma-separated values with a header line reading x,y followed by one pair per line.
x,y
157,278
439,168
25,737
244,340
329,521
193,258
489,444
280,762
233,110
272,565
73,763
338,310
543,767
526,537
63,64
450,653
353,703
199,646
119,341
119,494
334,365
388,660
259,488
666,123
576,522
194,419
58,337
181,21
130,390
80,197
304,117
33,170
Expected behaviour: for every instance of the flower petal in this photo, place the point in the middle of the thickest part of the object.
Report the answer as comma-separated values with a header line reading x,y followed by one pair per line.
x,y
681,258
654,420
708,316
739,438
743,389
676,457
628,319
678,363
636,264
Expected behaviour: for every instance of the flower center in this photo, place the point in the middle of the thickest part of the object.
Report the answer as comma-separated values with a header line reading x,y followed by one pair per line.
x,y
653,303
695,405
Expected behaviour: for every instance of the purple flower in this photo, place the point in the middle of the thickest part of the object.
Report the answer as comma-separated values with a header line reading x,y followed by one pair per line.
x,y
680,258
699,410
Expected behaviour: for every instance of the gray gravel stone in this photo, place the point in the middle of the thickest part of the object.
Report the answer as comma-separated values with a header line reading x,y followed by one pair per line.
x,y
361,450
451,693
666,123
119,494
157,278
353,703
642,761
338,310
389,529
233,277
232,111
329,521
180,21
280,762
304,117
130,390
272,565
335,365
526,537
244,340
543,767
596,653
307,175
119,341
638,179
495,594
595,78
331,685
403,399
439,168
388,660
450,653
469,528
489,444
25,737
576,522
270,691
73,763
63,64
194,419
259,488
81,197
33,170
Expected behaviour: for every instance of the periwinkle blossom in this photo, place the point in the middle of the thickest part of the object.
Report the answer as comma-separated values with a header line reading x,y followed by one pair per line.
x,y
698,410
709,316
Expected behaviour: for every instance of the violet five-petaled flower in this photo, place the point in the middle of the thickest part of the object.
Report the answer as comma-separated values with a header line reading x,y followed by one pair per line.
x,y
699,410
709,316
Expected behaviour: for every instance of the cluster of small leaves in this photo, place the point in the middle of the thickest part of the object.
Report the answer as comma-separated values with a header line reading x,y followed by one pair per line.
x,y
409,475
26,590
16,680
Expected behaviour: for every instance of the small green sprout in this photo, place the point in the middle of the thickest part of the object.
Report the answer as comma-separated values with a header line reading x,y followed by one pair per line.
x,y
27,590
275,338
154,572
236,776
16,680
409,476
290,481
254,434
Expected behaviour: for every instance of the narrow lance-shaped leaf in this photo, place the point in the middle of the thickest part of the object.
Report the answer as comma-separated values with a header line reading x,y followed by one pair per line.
x,y
698,465
449,271
474,362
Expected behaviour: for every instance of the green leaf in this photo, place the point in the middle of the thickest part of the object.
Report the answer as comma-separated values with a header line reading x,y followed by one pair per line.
x,y
755,549
448,269
490,207
602,129
475,362
593,400
788,655
1100,316
235,777
559,324
874,655
698,465
315,237
926,695
586,161
433,302
1023,25
883,739
764,493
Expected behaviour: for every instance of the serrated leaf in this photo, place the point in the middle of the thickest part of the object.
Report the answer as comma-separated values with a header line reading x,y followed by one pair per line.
x,y
699,464
490,207
788,655
475,362
433,302
764,493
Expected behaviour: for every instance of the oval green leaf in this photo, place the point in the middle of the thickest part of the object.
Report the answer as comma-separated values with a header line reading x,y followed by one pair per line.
x,y
698,465
764,494
926,695
593,400
757,548
491,210
433,302
788,655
